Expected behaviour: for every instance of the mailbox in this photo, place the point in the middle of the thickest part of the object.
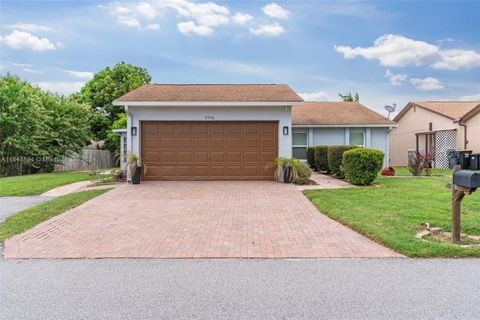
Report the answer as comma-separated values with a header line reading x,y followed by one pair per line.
x,y
467,179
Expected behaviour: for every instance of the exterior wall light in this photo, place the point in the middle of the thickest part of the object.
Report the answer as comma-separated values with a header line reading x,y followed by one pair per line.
x,y
134,131
285,131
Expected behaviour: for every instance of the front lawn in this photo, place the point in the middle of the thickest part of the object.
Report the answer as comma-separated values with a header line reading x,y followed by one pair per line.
x,y
28,218
35,184
403,171
392,211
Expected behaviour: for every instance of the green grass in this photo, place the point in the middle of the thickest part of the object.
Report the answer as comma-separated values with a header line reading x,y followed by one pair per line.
x,y
391,213
403,171
34,184
28,218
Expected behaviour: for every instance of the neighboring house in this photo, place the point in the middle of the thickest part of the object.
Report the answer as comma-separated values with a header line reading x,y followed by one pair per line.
x,y
233,132
433,127
338,123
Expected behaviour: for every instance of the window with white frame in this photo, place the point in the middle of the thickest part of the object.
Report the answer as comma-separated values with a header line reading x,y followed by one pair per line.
x,y
299,145
357,137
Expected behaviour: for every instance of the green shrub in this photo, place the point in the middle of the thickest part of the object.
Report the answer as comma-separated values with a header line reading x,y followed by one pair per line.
x,y
311,157
321,160
303,173
361,166
334,156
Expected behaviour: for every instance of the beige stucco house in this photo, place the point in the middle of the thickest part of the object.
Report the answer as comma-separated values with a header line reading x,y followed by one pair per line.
x,y
433,127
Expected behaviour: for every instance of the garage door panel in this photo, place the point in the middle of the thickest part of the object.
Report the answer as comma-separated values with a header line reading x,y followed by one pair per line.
x,y
201,156
206,150
166,142
250,143
186,143
234,156
184,156
217,143
234,143
165,127
217,156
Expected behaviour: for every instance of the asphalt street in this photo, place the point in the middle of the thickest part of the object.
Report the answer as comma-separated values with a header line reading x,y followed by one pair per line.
x,y
10,205
240,289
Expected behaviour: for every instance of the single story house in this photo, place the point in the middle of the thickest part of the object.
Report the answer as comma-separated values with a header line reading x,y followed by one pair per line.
x,y
338,123
433,127
233,131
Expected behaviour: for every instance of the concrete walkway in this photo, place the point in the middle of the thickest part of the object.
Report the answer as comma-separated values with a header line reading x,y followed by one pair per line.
x,y
11,205
324,181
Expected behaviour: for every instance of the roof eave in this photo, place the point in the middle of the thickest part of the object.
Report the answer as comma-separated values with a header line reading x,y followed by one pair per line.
x,y
206,103
366,125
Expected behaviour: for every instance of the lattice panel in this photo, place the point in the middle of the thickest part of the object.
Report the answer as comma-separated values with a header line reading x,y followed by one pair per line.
x,y
444,140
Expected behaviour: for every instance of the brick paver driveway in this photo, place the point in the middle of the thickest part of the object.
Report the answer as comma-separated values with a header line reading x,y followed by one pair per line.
x,y
194,219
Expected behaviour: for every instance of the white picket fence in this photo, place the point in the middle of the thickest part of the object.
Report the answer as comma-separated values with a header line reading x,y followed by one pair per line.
x,y
90,159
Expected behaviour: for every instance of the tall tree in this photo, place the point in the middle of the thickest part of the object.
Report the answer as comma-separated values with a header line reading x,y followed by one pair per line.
x,y
349,98
111,83
38,128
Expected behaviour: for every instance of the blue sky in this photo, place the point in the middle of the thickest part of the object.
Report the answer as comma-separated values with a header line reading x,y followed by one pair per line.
x,y
388,51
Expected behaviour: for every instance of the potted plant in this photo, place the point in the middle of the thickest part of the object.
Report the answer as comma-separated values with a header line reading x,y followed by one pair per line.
x,y
135,169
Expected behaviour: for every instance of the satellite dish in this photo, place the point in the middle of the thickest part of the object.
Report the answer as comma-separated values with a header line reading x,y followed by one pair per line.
x,y
390,109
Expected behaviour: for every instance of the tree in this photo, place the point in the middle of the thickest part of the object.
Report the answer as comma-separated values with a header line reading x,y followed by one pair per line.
x,y
38,128
110,84
113,140
348,97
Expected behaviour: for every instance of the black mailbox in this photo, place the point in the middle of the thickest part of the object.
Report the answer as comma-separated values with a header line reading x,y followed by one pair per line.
x,y
468,179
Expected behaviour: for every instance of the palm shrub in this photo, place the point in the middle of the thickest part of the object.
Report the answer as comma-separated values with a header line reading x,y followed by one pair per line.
x,y
334,156
290,170
311,157
321,159
361,166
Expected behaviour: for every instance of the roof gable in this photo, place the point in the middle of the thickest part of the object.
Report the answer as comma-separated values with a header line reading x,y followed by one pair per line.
x,y
454,110
337,113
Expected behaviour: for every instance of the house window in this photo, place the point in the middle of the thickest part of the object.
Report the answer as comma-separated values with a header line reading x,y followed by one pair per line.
x,y
299,145
124,142
357,137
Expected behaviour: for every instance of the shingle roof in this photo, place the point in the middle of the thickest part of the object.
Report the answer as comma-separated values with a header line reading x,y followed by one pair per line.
x,y
336,113
213,92
450,109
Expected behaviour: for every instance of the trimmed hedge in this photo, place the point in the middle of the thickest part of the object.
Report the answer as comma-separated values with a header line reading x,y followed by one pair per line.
x,y
334,156
361,166
321,160
311,157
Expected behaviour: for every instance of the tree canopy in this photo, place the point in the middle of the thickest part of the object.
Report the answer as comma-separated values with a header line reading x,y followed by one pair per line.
x,y
38,128
111,83
349,98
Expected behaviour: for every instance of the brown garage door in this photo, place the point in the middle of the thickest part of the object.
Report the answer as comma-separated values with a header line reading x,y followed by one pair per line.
x,y
209,150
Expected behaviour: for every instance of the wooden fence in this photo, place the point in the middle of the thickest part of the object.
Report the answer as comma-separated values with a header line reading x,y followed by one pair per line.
x,y
90,159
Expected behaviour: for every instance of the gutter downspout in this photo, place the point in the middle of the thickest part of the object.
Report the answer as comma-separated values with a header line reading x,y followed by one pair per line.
x,y
465,139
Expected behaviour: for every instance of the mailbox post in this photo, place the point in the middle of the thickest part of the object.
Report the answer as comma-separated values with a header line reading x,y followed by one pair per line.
x,y
464,183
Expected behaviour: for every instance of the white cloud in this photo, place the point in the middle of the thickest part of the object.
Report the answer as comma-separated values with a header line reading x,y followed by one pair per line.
x,y
129,22
275,11
190,27
29,27
455,59
29,70
242,18
314,96
153,26
268,30
23,65
80,74
61,87
25,40
393,51
473,97
199,18
427,84
395,79
399,51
